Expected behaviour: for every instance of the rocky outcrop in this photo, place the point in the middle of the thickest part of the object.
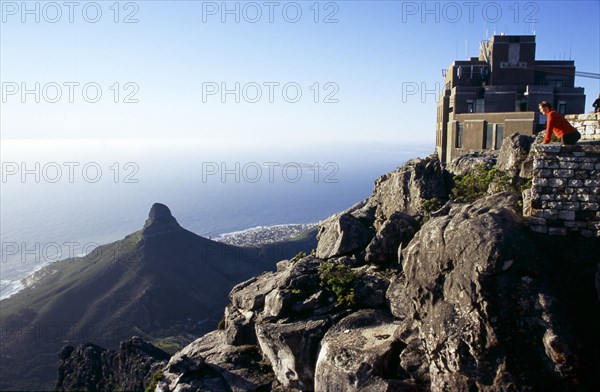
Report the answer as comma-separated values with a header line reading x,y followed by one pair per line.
x,y
292,349
513,153
485,319
347,232
395,233
210,364
406,188
361,350
466,163
92,368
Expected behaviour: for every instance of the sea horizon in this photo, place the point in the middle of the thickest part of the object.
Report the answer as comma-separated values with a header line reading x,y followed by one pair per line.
x,y
212,191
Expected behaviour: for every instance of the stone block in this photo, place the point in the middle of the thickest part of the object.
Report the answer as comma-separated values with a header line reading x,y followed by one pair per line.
x,y
566,198
557,231
537,181
564,173
583,197
592,183
571,206
566,215
586,166
568,165
582,175
539,229
590,206
548,148
556,182
575,183
576,224
537,221
538,163
588,116
550,214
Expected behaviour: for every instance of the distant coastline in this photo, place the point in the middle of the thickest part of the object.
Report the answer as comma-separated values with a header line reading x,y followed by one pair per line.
x,y
254,236
262,235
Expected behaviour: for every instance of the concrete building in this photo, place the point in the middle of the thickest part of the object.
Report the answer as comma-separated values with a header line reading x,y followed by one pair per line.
x,y
491,96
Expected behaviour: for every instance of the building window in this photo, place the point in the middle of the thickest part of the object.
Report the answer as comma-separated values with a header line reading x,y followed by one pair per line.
x,y
488,139
480,106
562,107
470,106
499,135
460,130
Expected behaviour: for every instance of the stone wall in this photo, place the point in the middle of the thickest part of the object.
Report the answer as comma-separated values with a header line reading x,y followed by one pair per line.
x,y
565,192
587,124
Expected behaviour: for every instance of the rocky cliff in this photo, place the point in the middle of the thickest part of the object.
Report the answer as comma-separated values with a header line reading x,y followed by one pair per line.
x,y
398,298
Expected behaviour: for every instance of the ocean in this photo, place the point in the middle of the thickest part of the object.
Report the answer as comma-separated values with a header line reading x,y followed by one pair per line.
x,y
62,198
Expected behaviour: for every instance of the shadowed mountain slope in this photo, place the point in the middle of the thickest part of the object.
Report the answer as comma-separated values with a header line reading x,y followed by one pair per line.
x,y
163,283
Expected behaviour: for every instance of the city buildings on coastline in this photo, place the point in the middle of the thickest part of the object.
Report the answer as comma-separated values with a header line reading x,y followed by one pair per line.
x,y
264,234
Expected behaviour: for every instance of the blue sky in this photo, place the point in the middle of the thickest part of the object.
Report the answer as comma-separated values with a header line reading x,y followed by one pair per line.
x,y
176,53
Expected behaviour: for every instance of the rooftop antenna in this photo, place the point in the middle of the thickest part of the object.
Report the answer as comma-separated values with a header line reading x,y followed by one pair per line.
x,y
570,47
466,50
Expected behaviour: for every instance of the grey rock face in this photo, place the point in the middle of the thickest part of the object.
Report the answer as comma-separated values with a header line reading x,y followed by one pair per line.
x,y
346,232
466,163
370,288
361,347
93,368
465,297
292,291
513,153
210,364
292,349
406,188
395,233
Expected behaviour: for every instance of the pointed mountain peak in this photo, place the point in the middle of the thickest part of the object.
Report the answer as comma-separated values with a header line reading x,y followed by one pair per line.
x,y
160,221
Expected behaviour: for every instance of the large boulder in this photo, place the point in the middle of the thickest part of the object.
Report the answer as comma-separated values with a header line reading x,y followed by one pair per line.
x,y
210,364
347,232
513,153
395,233
370,288
294,290
466,163
406,188
469,292
292,349
362,348
247,302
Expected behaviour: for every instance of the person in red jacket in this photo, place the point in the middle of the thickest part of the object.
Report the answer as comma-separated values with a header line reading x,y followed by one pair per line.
x,y
558,124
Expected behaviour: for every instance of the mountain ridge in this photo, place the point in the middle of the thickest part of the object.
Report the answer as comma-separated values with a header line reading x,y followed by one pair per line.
x,y
158,282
